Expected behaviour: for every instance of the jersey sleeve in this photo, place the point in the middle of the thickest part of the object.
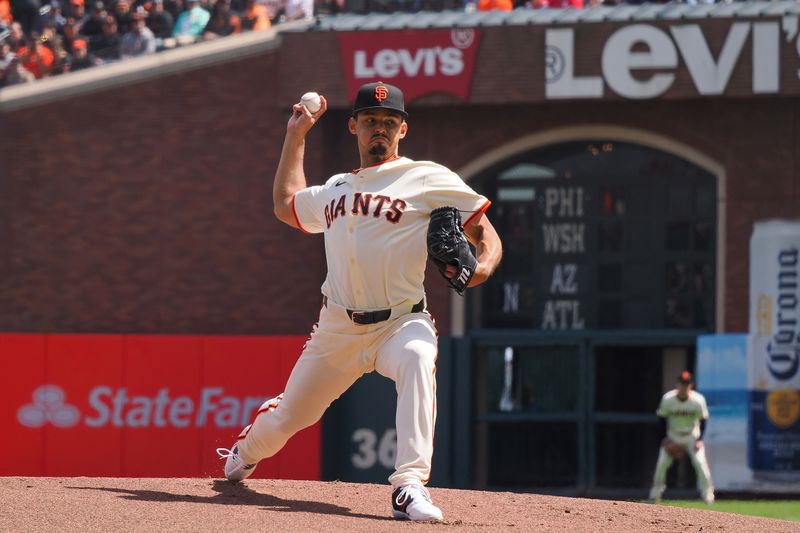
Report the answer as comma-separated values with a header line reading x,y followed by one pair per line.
x,y
445,188
662,408
308,211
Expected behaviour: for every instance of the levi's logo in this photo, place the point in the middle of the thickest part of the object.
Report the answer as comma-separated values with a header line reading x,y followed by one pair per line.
x,y
381,93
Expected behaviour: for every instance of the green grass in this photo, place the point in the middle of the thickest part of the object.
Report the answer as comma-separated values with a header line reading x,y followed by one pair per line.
x,y
782,509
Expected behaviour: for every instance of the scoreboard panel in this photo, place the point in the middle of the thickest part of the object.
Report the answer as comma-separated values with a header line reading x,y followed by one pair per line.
x,y
602,235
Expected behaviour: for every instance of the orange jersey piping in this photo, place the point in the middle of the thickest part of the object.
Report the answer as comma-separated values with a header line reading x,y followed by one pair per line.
x,y
480,210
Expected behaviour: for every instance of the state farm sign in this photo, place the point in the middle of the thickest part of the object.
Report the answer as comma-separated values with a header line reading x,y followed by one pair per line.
x,y
145,405
117,407
640,61
419,62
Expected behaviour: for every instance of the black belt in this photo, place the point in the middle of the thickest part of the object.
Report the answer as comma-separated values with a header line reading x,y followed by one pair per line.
x,y
373,317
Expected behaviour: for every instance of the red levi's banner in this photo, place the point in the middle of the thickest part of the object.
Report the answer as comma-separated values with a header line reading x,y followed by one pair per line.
x,y
419,62
142,405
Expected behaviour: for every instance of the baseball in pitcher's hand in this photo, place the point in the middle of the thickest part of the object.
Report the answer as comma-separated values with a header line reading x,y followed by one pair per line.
x,y
302,120
698,444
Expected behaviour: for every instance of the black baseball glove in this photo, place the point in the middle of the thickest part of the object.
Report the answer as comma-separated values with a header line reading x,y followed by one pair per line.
x,y
447,245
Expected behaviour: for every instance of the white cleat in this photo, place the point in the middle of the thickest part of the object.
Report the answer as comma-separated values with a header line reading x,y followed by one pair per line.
x,y
708,497
235,467
413,502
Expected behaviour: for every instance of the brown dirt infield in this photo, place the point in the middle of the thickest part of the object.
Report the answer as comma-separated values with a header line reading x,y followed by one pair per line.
x,y
131,504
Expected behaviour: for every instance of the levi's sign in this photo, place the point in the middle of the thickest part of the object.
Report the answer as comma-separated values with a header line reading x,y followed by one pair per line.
x,y
641,61
419,62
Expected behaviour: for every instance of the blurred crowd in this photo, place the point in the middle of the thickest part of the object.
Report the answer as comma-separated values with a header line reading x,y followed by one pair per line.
x,y
390,6
41,38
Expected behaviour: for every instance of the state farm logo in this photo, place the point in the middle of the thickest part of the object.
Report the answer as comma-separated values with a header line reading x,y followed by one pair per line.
x,y
413,62
48,406
117,407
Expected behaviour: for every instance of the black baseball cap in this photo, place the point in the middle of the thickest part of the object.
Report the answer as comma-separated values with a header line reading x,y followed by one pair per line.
x,y
379,95
685,377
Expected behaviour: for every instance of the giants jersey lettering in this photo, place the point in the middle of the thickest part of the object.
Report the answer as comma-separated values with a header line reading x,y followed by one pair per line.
x,y
683,417
375,222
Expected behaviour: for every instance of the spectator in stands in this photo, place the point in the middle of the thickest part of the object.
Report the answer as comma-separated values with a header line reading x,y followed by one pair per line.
x,y
80,58
5,50
489,5
577,4
5,13
36,57
68,34
50,13
124,15
174,8
274,10
93,25
298,9
223,21
105,47
77,10
26,12
191,23
138,40
255,17
15,73
6,55
159,21
415,6
55,43
16,37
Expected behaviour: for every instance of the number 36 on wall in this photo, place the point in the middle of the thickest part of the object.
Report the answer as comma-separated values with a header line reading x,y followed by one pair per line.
x,y
371,451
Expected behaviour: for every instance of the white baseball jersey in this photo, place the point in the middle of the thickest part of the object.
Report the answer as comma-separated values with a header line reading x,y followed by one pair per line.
x,y
375,222
389,206
683,417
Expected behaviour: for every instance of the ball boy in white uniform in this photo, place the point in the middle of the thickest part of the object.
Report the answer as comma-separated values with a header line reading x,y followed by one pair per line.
x,y
684,413
373,315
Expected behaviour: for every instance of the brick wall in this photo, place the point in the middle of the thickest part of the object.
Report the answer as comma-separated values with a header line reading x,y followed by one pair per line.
x,y
148,208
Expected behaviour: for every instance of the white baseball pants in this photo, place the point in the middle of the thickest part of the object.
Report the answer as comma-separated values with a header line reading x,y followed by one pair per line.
x,y
403,349
699,462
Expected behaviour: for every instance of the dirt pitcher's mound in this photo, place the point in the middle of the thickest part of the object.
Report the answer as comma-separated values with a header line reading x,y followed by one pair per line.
x,y
125,504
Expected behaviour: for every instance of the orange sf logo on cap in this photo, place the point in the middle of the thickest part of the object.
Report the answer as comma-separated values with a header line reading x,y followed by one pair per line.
x,y
381,93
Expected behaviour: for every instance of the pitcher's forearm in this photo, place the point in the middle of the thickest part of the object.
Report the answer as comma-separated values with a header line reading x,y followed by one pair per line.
x,y
489,254
488,249
289,178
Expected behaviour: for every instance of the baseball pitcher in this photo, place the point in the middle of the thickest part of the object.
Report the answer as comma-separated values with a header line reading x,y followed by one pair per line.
x,y
683,413
380,222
